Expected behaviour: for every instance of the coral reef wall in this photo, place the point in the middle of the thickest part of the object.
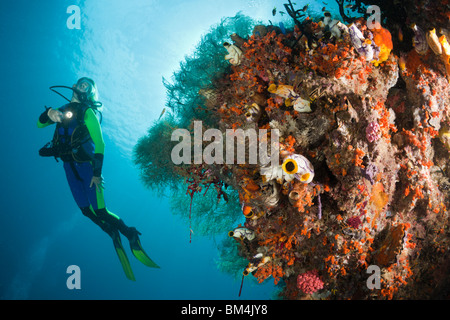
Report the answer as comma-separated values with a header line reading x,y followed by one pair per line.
x,y
380,192
370,118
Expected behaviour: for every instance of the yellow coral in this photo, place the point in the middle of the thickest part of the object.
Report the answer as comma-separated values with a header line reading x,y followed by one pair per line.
x,y
445,56
433,42
444,136
291,97
282,90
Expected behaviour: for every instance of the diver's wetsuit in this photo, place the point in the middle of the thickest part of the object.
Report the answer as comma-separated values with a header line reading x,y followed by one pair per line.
x,y
79,174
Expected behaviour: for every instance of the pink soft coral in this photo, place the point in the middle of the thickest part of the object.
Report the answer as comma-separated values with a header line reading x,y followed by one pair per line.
x,y
373,132
309,282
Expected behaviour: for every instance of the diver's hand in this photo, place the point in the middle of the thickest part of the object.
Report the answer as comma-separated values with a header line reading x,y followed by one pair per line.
x,y
98,182
55,115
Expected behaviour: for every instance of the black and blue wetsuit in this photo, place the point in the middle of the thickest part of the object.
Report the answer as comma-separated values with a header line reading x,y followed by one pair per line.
x,y
79,137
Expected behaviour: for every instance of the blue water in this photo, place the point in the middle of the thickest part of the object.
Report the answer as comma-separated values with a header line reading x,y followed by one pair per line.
x,y
127,47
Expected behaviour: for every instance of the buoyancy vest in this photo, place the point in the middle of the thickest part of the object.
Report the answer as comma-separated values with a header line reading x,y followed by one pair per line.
x,y
71,140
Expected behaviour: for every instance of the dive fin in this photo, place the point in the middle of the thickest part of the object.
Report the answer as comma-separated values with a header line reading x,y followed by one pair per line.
x,y
122,256
138,251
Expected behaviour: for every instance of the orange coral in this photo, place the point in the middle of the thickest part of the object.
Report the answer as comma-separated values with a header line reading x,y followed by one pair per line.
x,y
378,197
305,196
357,161
383,39
289,143
268,270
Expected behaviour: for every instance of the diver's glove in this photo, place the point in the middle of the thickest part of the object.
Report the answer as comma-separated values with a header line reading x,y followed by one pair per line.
x,y
97,164
55,115
98,182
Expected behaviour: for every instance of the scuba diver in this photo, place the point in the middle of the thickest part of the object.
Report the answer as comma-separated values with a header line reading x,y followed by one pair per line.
x,y
78,142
